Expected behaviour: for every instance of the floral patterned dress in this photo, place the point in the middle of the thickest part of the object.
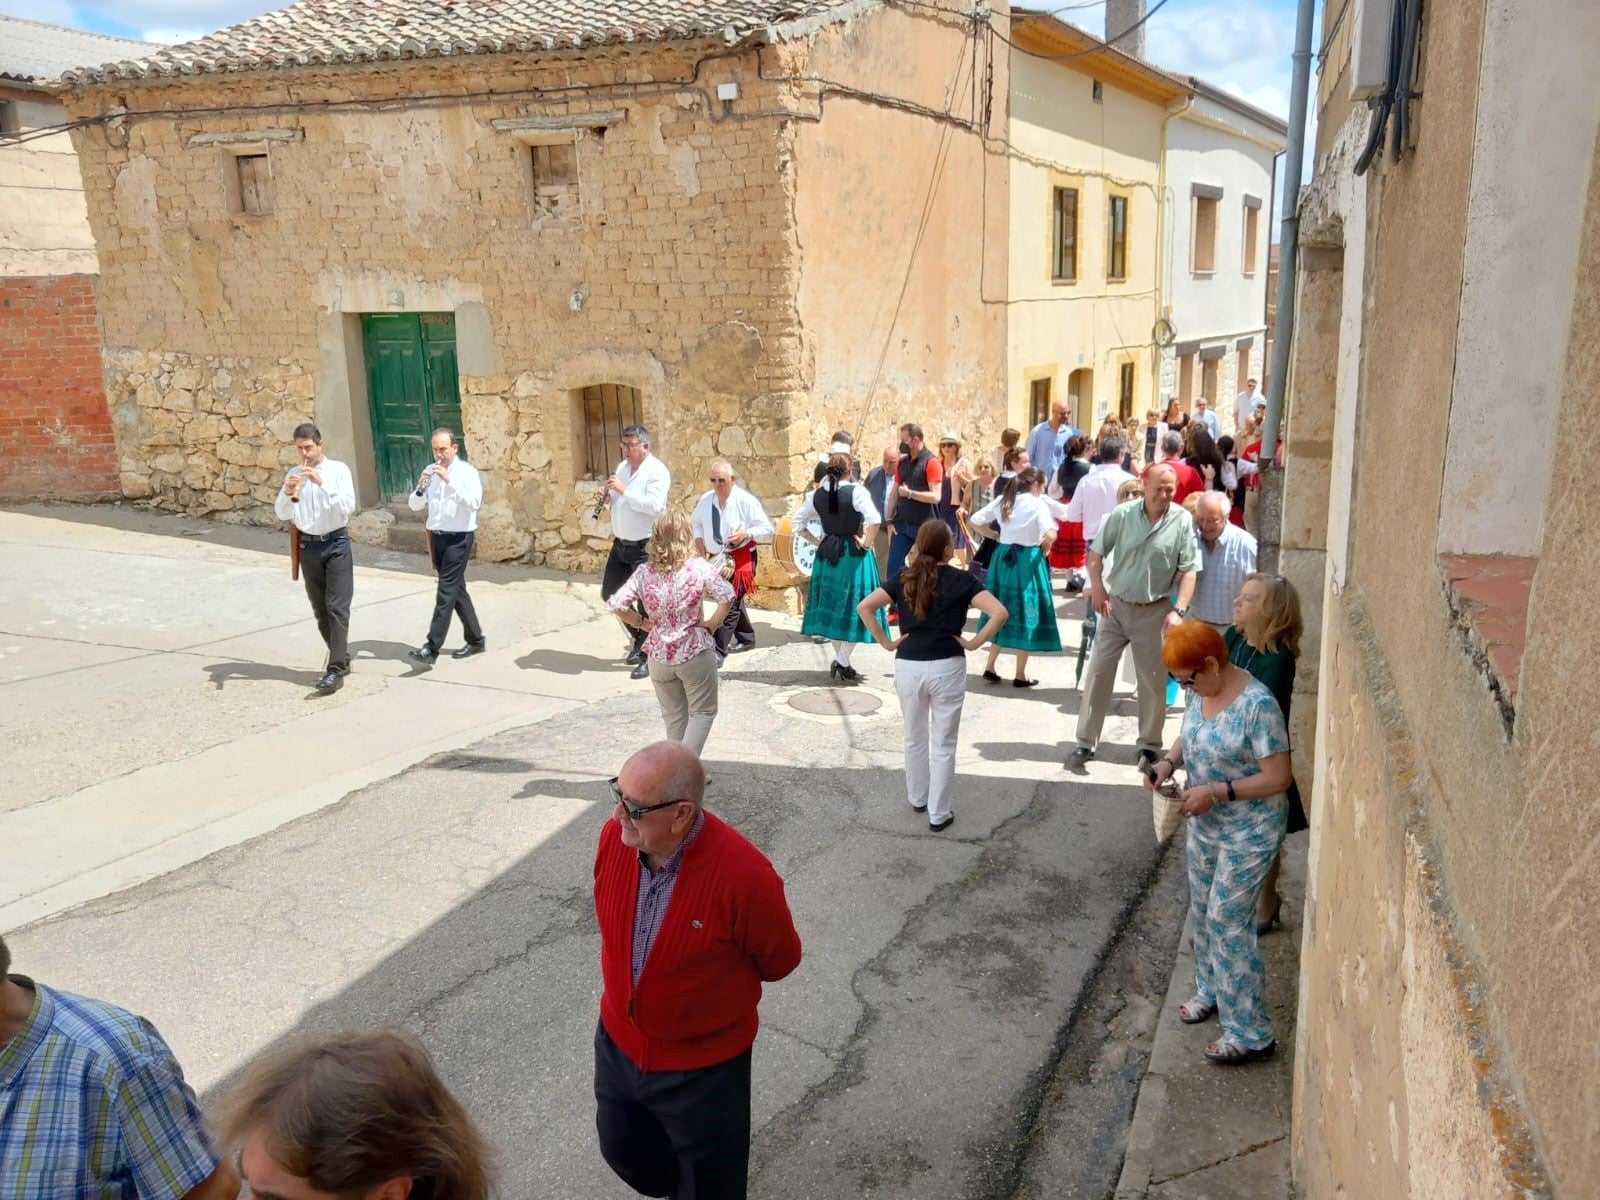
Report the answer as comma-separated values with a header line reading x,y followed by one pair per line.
x,y
1229,851
671,600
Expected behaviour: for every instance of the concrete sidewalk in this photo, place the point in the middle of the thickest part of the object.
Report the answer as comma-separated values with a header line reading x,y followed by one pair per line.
x,y
1204,1132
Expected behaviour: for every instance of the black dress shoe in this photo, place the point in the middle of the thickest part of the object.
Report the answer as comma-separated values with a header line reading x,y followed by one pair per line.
x,y
331,682
1079,758
741,647
991,676
944,824
642,671
633,657
422,654
469,650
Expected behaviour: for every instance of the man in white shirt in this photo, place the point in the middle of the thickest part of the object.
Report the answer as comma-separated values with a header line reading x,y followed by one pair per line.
x,y
729,520
452,491
1203,414
636,493
317,498
1096,494
1244,404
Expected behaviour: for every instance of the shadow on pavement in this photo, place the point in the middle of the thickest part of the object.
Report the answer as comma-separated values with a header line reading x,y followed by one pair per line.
x,y
979,940
224,673
565,662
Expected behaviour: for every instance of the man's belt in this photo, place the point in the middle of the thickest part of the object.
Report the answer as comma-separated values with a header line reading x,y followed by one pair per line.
x,y
622,541
323,537
1143,603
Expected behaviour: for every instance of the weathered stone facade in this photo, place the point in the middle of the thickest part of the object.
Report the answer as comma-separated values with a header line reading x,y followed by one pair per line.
x,y
699,269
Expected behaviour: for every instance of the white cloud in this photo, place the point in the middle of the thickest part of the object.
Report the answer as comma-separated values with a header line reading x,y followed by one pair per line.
x,y
51,12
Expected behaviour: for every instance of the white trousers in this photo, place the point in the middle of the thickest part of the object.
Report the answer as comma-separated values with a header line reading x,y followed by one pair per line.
x,y
931,695
687,693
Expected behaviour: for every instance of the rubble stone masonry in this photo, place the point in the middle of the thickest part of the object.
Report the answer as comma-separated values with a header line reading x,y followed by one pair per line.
x,y
55,436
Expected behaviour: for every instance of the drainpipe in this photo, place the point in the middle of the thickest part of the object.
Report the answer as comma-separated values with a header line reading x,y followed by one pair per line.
x,y
1289,230
1162,266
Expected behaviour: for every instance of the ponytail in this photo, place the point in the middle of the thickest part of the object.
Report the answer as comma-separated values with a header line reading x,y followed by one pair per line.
x,y
1021,482
920,580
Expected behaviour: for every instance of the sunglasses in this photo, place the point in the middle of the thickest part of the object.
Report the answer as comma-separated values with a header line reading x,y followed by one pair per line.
x,y
1188,683
721,479
632,807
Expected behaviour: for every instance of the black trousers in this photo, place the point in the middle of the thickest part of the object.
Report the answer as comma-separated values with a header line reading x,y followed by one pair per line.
x,y
683,1134
329,570
450,552
736,625
620,565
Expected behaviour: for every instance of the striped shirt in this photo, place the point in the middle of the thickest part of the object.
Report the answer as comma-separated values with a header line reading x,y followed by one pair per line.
x,y
1222,573
655,893
93,1106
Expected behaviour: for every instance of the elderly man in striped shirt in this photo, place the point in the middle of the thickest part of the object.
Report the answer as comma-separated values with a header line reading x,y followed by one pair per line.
x,y
92,1103
1227,555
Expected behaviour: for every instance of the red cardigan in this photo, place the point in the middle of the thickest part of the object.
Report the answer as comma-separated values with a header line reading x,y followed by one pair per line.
x,y
726,929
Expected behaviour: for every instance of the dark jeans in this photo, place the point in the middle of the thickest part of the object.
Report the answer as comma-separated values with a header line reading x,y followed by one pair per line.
x,y
450,552
736,625
900,543
683,1134
329,571
624,558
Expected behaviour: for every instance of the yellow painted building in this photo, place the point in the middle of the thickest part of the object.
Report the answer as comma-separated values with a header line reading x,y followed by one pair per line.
x,y
1086,137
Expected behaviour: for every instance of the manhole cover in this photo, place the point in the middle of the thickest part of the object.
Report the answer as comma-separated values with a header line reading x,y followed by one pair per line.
x,y
836,702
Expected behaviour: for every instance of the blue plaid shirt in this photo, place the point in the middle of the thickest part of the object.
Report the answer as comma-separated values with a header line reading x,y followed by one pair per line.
x,y
1222,573
655,893
93,1106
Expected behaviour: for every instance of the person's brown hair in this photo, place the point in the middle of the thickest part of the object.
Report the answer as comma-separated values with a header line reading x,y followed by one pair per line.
x,y
1021,482
920,579
1278,622
349,1112
1009,438
5,959
671,541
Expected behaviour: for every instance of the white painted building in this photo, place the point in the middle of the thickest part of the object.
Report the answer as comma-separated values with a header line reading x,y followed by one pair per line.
x,y
1219,200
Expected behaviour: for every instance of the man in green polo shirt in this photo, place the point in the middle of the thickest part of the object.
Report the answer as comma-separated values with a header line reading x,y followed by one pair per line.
x,y
1152,547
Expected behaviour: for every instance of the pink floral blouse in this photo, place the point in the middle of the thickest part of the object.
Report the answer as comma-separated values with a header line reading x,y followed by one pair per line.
x,y
672,602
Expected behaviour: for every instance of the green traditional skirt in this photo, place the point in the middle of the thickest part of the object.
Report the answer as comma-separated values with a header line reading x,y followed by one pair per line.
x,y
1021,582
836,589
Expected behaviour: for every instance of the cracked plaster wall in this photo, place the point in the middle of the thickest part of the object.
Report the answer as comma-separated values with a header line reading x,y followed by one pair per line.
x,y
1448,977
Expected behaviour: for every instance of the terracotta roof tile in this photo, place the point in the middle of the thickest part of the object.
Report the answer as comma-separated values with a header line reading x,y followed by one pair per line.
x,y
316,32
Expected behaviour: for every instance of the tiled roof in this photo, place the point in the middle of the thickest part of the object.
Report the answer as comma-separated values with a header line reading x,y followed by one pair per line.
x,y
350,31
32,52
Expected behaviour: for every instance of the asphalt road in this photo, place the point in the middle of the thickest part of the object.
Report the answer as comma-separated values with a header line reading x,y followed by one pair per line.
x,y
949,984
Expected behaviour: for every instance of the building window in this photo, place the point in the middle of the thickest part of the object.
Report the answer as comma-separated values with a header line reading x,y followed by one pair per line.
x,y
1252,222
1038,401
555,181
1185,381
1064,236
1125,391
1208,379
1203,251
1242,372
8,118
255,184
606,409
1117,251
1098,92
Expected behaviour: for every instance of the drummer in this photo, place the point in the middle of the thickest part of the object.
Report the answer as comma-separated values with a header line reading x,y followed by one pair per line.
x,y
728,522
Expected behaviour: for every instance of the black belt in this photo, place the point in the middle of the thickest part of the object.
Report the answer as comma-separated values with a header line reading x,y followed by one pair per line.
x,y
644,541
448,533
323,537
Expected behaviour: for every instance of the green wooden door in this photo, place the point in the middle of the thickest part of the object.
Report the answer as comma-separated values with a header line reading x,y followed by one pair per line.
x,y
412,389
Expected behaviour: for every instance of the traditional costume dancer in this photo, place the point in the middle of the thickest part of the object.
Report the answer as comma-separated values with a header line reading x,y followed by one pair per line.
x,y
845,571
1018,574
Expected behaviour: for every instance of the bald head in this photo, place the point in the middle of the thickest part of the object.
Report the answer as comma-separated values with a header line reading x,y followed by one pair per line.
x,y
665,771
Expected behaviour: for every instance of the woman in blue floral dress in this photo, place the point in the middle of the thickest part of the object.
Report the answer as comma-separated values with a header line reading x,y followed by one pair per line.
x,y
1234,745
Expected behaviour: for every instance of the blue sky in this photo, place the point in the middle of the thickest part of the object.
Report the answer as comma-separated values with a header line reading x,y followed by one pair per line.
x,y
1240,45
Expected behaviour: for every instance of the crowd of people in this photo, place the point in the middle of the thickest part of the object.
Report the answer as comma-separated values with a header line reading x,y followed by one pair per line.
x,y
1144,519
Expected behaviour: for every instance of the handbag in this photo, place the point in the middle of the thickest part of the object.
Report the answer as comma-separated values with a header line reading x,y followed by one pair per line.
x,y
1166,809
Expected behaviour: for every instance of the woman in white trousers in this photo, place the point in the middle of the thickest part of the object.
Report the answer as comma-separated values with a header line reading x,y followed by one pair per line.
x,y
930,668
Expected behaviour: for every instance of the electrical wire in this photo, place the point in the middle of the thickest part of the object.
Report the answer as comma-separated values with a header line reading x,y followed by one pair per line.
x,y
1333,32
1137,25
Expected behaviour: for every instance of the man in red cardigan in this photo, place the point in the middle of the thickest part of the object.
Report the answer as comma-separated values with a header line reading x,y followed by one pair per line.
x,y
692,921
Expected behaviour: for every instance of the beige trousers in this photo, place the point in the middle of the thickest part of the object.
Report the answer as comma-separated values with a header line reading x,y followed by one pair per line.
x,y
1138,626
687,693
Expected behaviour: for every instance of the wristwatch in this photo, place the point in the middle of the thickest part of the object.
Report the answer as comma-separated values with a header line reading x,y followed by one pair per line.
x,y
1182,612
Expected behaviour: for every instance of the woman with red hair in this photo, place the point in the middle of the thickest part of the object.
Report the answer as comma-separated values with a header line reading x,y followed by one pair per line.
x,y
1234,745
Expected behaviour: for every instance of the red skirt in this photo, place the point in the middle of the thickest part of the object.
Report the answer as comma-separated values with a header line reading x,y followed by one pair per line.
x,y
1069,549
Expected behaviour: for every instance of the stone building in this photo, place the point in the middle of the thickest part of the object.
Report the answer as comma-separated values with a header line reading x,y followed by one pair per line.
x,y
744,222
55,434
1449,265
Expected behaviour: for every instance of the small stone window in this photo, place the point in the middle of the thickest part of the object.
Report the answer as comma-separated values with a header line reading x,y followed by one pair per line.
x,y
604,410
555,181
8,118
255,184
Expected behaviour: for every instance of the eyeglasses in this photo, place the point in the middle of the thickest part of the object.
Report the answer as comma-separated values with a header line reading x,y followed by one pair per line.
x,y
627,445
1188,683
721,479
632,807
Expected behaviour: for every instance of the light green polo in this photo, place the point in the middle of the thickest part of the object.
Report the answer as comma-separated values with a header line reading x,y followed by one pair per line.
x,y
1145,559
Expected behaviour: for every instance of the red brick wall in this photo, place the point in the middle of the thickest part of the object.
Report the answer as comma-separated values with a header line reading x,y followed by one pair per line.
x,y
55,427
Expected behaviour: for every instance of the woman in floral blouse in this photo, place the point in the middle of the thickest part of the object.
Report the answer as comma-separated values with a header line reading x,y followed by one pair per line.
x,y
673,588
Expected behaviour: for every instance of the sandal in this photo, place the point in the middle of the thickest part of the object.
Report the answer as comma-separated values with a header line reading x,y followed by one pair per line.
x,y
1231,1054
1195,1011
